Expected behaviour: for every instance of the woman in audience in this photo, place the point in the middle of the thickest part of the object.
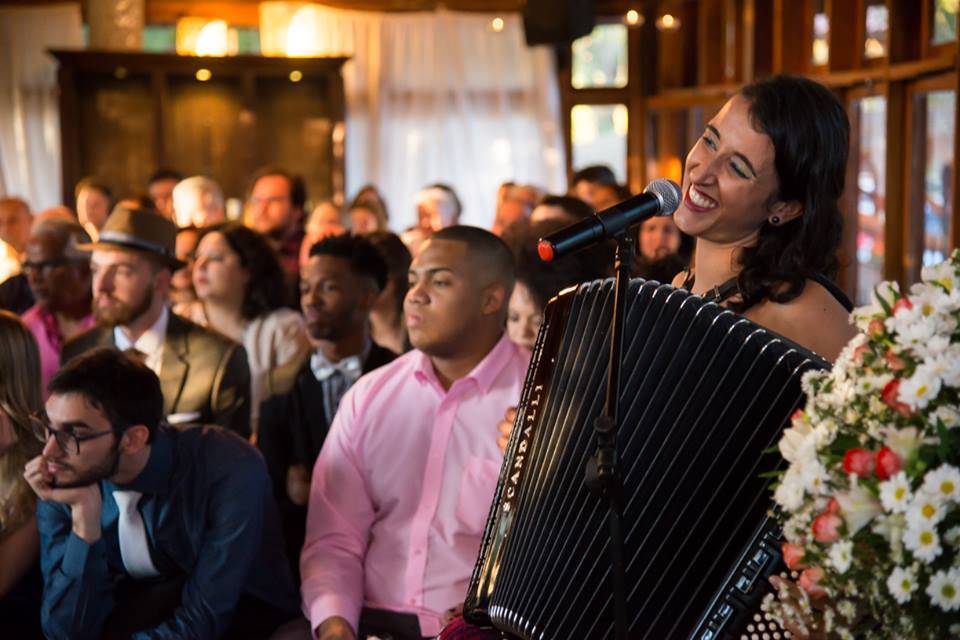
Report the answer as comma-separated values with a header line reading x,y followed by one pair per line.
x,y
386,319
182,296
239,282
367,212
20,401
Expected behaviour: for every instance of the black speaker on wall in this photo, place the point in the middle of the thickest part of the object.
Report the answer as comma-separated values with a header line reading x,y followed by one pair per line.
x,y
557,21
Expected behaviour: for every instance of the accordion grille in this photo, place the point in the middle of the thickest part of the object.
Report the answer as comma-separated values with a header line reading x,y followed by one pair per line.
x,y
705,395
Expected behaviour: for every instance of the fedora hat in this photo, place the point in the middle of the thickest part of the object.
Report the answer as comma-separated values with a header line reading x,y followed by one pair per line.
x,y
139,230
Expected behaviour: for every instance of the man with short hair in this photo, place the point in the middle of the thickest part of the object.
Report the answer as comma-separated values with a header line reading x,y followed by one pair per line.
x,y
59,277
204,375
197,202
438,206
146,531
402,486
160,187
94,203
339,285
275,209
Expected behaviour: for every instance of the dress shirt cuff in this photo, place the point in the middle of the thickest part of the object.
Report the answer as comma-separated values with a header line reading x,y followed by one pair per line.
x,y
77,555
332,604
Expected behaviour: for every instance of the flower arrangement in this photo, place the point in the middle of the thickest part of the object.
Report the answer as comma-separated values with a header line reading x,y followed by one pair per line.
x,y
871,496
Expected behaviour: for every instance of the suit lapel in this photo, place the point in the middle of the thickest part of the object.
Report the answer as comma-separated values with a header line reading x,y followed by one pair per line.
x,y
176,366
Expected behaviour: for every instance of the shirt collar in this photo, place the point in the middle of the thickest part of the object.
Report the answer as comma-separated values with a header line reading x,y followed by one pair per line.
x,y
151,340
155,477
483,375
351,366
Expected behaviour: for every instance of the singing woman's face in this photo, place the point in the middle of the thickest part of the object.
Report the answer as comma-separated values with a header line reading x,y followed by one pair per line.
x,y
730,180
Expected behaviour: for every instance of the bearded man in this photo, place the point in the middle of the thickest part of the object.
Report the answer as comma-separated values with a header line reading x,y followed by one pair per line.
x,y
203,375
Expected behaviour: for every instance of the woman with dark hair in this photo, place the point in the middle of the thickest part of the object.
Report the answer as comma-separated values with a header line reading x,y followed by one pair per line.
x,y
20,403
386,318
760,195
239,283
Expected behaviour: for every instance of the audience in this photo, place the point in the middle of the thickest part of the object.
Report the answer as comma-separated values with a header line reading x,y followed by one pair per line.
x,y
203,375
15,221
146,530
183,298
662,250
438,207
597,186
566,209
366,217
323,222
197,202
339,286
59,277
386,317
275,208
94,202
237,278
514,204
369,193
160,188
20,583
399,493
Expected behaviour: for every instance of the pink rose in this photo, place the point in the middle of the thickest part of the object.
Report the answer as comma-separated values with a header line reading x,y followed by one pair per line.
x,y
793,556
858,461
890,396
825,527
809,582
888,463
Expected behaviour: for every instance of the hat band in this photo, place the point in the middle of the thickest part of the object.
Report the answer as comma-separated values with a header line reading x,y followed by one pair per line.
x,y
119,237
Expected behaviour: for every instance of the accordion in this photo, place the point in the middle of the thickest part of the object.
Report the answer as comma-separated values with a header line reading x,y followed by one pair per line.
x,y
704,397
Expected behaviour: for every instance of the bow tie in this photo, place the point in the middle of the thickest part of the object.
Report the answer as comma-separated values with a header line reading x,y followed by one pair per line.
x,y
350,367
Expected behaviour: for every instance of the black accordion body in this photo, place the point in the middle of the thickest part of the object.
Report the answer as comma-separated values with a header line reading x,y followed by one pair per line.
x,y
705,396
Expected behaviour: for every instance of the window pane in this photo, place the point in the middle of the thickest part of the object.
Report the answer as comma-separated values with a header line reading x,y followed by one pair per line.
x,y
600,59
944,17
871,180
821,31
599,134
938,172
878,19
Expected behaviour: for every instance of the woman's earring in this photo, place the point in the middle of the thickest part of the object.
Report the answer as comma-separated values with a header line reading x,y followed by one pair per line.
x,y
774,220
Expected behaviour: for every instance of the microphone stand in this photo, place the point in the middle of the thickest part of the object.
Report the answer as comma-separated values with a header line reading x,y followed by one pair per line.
x,y
602,472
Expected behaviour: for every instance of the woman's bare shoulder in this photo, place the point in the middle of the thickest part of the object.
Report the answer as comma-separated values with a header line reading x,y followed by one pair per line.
x,y
814,319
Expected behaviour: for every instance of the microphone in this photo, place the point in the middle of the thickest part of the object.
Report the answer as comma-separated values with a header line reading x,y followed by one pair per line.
x,y
660,198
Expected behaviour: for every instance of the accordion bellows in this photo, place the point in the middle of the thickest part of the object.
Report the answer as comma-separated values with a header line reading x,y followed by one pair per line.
x,y
705,396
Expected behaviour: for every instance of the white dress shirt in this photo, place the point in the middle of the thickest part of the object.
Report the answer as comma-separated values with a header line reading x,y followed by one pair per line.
x,y
150,343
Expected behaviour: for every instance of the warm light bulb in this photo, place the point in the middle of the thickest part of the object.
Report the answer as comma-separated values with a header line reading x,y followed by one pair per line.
x,y
203,75
497,24
296,76
668,22
212,39
633,17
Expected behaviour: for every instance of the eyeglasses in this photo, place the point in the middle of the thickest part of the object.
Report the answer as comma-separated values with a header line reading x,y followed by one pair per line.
x,y
44,265
68,442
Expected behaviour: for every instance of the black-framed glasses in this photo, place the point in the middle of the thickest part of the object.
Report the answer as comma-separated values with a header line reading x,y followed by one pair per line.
x,y
43,265
68,441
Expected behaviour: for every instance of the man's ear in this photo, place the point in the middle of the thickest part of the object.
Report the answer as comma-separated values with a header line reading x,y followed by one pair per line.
x,y
134,439
493,299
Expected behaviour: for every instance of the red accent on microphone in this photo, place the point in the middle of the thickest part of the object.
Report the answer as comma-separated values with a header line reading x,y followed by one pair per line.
x,y
545,249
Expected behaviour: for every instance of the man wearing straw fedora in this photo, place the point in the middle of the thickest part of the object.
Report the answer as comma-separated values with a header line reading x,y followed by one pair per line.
x,y
204,375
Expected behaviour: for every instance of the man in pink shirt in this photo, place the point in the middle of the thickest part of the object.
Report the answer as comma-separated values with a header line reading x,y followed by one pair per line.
x,y
402,486
59,276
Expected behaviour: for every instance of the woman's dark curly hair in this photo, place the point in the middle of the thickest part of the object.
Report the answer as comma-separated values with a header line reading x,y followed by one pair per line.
x,y
810,134
265,288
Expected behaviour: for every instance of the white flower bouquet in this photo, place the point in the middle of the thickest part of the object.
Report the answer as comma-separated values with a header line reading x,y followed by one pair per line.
x,y
871,497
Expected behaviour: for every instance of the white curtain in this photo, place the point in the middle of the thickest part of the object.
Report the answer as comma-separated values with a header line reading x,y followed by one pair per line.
x,y
442,97
29,114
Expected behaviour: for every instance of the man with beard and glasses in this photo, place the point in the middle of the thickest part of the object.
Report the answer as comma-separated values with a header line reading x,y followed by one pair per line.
x,y
147,531
403,484
339,285
275,208
204,375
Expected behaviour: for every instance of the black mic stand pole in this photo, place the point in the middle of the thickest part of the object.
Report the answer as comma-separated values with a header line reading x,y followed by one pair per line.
x,y
602,473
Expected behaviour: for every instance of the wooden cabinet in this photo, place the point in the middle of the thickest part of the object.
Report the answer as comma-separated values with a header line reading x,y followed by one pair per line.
x,y
124,115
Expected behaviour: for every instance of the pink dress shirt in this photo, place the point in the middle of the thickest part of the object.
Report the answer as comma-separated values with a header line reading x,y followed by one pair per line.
x,y
402,487
43,326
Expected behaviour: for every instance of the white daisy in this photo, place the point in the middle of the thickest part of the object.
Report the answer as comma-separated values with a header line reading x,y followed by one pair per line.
x,y
789,493
841,555
846,609
920,389
925,509
901,584
923,541
952,536
944,589
943,482
895,493
814,477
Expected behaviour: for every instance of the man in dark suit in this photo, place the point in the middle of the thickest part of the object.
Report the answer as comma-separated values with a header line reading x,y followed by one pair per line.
x,y
204,375
339,285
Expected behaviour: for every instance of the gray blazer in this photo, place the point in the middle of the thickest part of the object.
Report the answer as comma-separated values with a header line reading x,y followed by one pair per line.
x,y
203,372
